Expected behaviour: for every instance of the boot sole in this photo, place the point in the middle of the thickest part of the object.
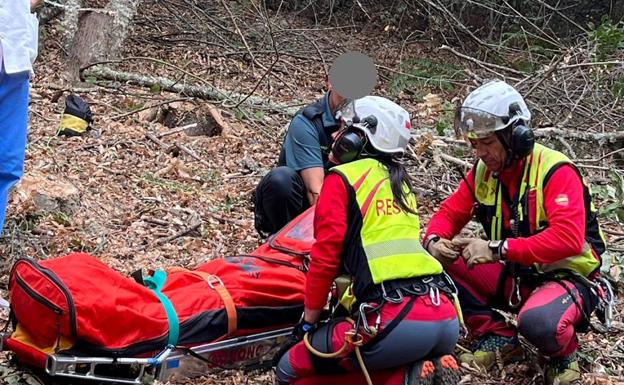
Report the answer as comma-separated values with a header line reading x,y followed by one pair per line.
x,y
446,371
421,373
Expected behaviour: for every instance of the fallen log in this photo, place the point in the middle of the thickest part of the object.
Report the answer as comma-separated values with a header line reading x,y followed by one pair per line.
x,y
547,132
203,92
600,137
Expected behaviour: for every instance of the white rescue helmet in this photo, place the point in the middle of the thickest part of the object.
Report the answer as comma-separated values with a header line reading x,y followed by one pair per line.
x,y
489,108
387,125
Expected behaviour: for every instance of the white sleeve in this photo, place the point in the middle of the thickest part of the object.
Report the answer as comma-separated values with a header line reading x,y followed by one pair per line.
x,y
34,37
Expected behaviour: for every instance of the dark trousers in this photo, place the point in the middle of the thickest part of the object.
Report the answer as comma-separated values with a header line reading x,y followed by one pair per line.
x,y
279,197
428,330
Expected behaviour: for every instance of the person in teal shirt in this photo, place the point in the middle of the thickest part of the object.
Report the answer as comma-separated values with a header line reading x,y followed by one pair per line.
x,y
293,186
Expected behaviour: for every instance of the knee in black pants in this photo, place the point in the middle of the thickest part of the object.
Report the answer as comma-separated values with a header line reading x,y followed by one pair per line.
x,y
278,198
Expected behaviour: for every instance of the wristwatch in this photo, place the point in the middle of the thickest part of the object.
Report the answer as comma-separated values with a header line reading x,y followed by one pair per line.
x,y
496,247
430,240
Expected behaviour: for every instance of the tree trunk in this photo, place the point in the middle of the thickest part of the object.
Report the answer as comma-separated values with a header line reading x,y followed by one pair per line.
x,y
95,34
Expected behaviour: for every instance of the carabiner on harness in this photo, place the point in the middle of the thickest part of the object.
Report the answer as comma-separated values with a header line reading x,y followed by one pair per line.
x,y
363,319
450,283
386,297
514,296
434,295
606,302
602,289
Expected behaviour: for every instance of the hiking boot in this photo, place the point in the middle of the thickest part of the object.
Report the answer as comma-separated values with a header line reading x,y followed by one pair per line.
x,y
484,354
420,373
446,371
562,371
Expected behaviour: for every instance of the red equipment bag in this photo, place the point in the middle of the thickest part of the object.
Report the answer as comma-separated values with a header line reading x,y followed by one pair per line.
x,y
77,305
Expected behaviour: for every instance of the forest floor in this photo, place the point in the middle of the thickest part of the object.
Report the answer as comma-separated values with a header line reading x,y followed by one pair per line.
x,y
122,195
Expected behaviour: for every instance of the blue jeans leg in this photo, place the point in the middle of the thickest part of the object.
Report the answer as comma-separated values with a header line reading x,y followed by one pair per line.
x,y
13,126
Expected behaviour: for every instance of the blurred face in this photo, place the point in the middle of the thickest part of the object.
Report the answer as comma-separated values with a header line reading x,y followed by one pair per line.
x,y
491,151
339,131
334,98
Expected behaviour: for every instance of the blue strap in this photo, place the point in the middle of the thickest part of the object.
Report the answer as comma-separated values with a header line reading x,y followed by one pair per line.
x,y
155,282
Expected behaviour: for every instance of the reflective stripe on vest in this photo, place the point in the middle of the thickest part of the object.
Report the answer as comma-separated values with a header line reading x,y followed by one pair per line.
x,y
390,236
537,167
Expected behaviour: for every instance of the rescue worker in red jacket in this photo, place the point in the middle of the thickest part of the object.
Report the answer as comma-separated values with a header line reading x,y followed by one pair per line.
x,y
543,243
366,226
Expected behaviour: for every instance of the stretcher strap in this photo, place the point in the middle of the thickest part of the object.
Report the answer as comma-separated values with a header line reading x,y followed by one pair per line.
x,y
155,282
215,283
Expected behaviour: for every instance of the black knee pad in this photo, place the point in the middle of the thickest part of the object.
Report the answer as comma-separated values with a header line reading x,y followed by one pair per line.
x,y
539,327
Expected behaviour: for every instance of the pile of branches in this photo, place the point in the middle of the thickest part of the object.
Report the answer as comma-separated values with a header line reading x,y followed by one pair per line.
x,y
482,19
571,72
576,94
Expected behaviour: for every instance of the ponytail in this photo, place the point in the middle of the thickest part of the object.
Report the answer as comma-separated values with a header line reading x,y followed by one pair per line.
x,y
399,178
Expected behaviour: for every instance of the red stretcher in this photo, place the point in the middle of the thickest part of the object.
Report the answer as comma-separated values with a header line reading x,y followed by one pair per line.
x,y
75,317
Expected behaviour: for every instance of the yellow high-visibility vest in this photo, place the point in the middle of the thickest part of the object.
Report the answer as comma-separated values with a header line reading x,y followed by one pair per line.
x,y
390,237
538,166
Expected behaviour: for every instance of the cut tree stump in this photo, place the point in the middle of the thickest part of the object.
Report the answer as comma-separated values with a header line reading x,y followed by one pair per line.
x,y
42,195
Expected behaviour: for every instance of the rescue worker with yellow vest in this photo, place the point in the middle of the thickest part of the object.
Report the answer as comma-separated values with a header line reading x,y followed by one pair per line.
x,y
542,253
366,226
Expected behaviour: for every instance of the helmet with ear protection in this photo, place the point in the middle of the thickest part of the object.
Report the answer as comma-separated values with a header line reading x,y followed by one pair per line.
x,y
348,146
522,138
492,108
522,141
384,124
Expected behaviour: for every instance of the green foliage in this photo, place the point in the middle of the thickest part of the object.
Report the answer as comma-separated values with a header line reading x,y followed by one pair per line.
x,y
607,37
423,74
134,105
25,223
612,196
618,88
61,218
211,176
391,16
535,50
155,88
239,114
228,204
445,121
148,177
91,79
77,244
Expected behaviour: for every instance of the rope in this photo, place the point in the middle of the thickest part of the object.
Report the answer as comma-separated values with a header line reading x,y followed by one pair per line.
x,y
460,314
369,381
351,338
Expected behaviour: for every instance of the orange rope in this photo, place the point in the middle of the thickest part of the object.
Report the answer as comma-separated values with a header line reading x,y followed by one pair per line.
x,y
351,338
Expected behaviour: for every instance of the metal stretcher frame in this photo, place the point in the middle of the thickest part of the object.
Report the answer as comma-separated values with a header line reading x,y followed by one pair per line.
x,y
247,353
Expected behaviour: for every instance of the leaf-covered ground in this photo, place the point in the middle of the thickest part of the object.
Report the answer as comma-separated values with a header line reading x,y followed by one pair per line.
x,y
124,198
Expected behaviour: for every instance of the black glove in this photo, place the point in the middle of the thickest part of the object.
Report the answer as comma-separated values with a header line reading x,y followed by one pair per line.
x,y
298,332
301,329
